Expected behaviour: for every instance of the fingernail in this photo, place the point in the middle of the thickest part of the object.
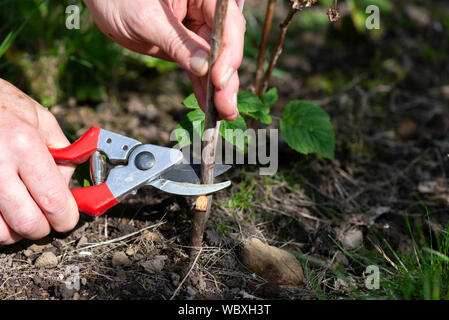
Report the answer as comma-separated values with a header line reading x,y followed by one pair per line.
x,y
199,62
225,78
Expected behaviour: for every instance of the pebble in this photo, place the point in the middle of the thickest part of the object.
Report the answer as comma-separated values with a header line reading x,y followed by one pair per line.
x,y
271,263
154,265
28,253
132,250
120,259
58,243
190,292
151,236
81,242
36,248
352,239
175,278
46,260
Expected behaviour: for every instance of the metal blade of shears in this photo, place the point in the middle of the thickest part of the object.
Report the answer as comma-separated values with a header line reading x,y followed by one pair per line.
x,y
187,189
185,172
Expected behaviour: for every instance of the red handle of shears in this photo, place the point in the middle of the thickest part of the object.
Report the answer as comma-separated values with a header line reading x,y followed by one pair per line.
x,y
94,200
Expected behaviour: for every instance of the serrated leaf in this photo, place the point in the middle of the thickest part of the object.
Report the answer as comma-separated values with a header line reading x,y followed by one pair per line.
x,y
270,97
191,102
249,102
263,117
234,131
307,129
193,122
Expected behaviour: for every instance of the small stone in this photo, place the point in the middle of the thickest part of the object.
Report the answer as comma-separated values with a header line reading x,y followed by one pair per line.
x,y
175,278
46,260
36,248
154,265
58,243
76,296
65,292
352,239
28,253
271,263
81,242
191,292
152,236
120,259
132,250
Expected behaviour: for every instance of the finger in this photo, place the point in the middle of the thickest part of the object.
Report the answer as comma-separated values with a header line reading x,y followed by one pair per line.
x,y
199,89
233,42
53,136
240,4
226,99
19,210
168,33
7,235
48,187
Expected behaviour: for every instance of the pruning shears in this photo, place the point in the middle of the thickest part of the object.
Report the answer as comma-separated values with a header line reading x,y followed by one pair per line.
x,y
135,165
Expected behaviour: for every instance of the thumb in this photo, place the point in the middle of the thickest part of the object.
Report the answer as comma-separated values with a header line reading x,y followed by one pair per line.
x,y
168,33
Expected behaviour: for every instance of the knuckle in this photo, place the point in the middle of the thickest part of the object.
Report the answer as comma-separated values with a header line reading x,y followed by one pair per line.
x,y
47,115
176,46
28,226
54,201
23,138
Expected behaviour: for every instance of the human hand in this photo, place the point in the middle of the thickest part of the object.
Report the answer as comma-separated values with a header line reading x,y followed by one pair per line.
x,y
34,193
180,31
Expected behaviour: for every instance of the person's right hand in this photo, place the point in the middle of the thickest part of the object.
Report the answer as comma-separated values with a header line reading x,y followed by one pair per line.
x,y
34,193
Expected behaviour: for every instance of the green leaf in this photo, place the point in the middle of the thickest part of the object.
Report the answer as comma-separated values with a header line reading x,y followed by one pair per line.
x,y
270,97
249,102
263,117
9,39
193,122
307,129
191,102
86,183
234,132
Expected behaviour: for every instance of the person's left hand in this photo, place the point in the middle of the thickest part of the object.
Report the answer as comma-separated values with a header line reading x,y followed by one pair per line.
x,y
179,30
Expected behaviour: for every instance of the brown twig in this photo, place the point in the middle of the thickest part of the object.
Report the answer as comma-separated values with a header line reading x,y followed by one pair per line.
x,y
296,5
263,46
211,127
277,52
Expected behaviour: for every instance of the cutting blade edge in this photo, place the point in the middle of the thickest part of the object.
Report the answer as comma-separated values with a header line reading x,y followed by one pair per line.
x,y
185,172
187,189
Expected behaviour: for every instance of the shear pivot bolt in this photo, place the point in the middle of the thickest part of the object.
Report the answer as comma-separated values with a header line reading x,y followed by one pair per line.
x,y
145,160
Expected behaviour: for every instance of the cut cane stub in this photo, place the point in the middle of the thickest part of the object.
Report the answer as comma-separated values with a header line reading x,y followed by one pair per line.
x,y
201,203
